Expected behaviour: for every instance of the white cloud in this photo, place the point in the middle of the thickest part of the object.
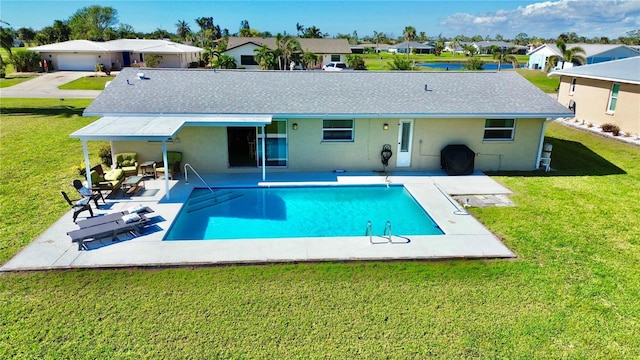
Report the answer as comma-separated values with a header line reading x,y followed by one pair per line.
x,y
587,18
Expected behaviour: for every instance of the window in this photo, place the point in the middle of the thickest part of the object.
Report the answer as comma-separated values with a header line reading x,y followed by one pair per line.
x,y
335,57
337,130
613,98
499,129
572,89
248,60
276,145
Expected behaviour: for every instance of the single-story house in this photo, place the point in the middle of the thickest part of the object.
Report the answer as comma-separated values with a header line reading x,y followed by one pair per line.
x,y
595,53
415,47
607,92
484,47
229,121
242,49
115,54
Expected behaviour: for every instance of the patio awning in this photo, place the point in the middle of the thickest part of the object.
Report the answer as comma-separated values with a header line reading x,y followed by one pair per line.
x,y
159,127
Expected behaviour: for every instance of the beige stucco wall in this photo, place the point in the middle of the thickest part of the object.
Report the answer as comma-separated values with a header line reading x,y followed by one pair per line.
x,y
205,148
592,98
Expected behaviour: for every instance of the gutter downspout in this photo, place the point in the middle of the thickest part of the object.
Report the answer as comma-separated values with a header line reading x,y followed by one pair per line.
x,y
166,168
541,144
264,154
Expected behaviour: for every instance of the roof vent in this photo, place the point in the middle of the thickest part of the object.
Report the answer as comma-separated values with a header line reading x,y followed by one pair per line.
x,y
426,87
140,75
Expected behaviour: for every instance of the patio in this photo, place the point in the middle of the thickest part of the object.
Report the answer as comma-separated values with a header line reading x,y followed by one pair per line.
x,y
464,236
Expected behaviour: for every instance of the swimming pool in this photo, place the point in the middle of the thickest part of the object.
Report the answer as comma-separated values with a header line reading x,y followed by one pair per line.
x,y
294,212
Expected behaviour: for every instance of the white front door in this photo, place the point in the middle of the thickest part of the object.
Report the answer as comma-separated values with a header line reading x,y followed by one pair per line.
x,y
405,136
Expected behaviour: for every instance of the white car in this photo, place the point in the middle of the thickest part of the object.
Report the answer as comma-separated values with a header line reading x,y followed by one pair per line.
x,y
334,66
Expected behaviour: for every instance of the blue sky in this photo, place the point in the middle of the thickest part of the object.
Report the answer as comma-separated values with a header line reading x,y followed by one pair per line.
x,y
612,18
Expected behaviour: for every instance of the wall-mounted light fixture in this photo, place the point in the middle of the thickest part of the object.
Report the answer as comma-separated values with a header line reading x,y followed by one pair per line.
x,y
385,127
294,126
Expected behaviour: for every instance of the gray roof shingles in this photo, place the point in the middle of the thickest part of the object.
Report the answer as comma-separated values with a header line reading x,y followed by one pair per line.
x,y
318,93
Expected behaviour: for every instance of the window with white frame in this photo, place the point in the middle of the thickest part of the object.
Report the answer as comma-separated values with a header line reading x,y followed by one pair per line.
x,y
337,130
572,88
335,57
499,129
248,60
613,98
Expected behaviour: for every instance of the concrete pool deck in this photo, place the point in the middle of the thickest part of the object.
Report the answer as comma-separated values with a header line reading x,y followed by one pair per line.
x,y
464,236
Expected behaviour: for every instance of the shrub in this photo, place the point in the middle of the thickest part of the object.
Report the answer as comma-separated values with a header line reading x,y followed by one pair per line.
x,y
152,60
356,62
105,155
3,73
612,128
25,60
474,63
400,63
99,67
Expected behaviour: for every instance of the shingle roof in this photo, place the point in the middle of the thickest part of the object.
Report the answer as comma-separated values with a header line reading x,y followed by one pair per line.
x,y
318,93
623,70
139,45
318,46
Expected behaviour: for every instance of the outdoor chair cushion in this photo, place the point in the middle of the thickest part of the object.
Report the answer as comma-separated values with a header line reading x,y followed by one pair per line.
x,y
128,162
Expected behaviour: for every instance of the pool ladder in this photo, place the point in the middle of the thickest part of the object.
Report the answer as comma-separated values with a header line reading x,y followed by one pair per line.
x,y
387,234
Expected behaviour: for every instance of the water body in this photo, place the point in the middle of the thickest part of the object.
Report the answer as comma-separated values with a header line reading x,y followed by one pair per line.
x,y
455,66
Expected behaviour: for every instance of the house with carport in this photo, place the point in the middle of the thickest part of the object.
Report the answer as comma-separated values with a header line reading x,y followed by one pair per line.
x,y
242,49
84,55
241,121
603,93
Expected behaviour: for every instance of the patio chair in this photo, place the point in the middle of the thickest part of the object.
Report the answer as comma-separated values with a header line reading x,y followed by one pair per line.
x,y
91,194
99,220
174,158
79,206
112,229
128,162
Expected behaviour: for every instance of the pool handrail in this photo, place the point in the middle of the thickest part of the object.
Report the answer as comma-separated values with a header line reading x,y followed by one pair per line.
x,y
186,177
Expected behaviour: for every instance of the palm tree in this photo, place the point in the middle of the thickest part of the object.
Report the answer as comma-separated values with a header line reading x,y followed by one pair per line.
x,y
409,35
379,36
286,45
574,55
265,58
299,28
309,58
182,29
505,56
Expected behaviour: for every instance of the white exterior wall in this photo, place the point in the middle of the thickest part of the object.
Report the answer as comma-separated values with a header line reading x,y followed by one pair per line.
x,y
246,49
540,58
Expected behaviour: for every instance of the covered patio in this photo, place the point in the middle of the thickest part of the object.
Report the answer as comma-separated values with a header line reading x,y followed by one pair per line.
x,y
161,129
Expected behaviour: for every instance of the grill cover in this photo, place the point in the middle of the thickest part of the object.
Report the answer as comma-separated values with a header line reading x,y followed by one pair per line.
x,y
457,160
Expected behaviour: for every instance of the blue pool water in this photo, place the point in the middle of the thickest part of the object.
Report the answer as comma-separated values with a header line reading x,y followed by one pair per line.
x,y
289,212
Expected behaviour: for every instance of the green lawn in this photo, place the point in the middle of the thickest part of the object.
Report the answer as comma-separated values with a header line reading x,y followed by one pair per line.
x,y
87,83
541,80
573,292
13,80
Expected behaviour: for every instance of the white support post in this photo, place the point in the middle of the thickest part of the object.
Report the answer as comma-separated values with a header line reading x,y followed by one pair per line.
x,y
87,165
166,168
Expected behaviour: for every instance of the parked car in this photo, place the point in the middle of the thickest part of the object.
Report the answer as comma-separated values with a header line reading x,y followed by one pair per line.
x,y
334,66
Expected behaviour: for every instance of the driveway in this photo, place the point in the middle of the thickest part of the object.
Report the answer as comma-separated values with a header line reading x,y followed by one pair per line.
x,y
46,86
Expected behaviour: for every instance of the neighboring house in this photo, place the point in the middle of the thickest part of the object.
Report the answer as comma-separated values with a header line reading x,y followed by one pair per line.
x,y
116,54
607,92
242,49
595,53
415,47
484,47
230,121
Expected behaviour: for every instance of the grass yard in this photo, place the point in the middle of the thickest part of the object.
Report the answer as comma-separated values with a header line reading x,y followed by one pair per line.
x,y
573,293
87,83
13,80
541,80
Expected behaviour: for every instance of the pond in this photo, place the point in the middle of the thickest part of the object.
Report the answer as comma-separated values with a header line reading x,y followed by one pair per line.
x,y
491,66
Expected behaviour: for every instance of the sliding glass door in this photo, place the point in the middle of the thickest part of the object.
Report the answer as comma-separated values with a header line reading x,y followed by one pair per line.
x,y
276,144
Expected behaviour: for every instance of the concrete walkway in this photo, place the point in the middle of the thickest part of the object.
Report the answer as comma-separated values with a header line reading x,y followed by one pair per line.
x,y
464,236
46,86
